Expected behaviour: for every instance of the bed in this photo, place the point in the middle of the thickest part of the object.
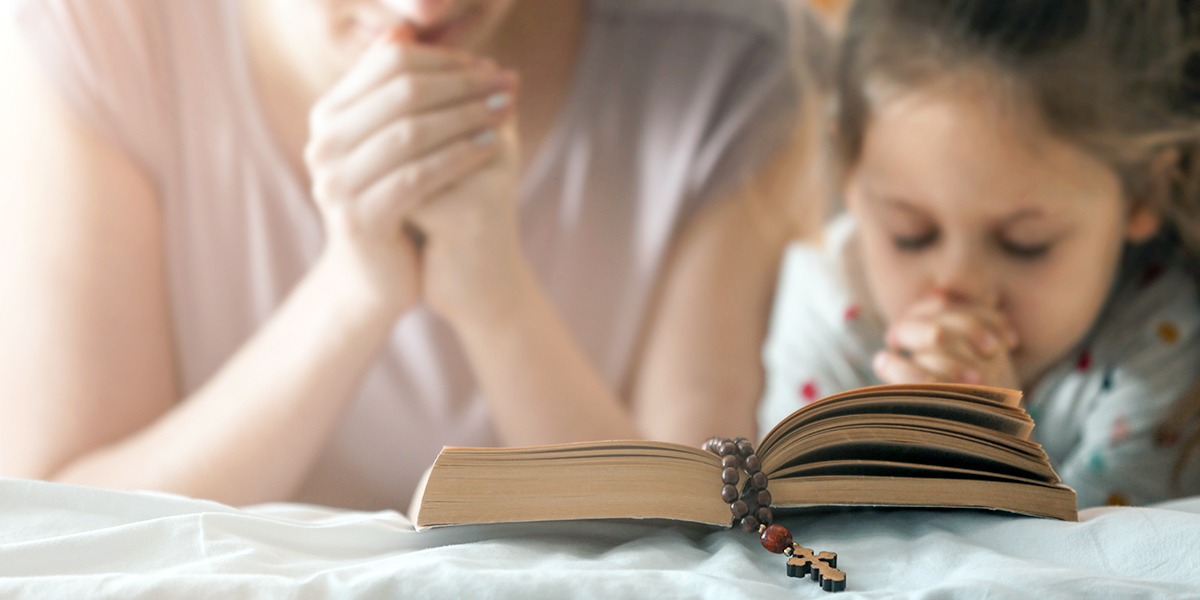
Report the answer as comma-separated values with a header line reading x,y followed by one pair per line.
x,y
61,541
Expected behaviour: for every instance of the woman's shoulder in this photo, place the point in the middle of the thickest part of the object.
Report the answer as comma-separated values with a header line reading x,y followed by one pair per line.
x,y
725,76
118,63
766,18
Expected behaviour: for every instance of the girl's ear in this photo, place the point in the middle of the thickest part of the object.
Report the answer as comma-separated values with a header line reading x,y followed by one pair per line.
x,y
1145,216
1143,222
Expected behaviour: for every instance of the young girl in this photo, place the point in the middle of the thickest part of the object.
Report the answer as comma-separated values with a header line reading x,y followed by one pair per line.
x,y
1020,183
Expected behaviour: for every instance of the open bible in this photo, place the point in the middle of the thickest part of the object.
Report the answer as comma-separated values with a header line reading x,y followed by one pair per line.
x,y
937,445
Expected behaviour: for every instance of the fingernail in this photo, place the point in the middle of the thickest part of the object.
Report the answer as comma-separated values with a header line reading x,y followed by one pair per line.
x,y
486,138
498,101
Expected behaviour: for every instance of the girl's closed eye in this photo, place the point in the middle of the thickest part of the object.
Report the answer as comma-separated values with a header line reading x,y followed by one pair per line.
x,y
915,242
1029,241
909,228
1025,250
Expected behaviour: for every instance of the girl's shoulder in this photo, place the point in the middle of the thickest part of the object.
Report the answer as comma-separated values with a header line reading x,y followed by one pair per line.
x,y
1156,295
824,330
823,280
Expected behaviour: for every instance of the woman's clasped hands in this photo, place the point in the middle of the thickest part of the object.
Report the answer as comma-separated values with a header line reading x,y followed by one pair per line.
x,y
414,165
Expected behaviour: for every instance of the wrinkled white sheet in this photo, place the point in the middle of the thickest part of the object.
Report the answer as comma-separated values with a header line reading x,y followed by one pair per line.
x,y
59,541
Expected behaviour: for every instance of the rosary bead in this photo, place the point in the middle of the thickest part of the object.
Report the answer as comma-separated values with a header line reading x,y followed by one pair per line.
x,y
763,498
727,448
758,481
776,538
712,444
753,465
729,493
739,508
730,462
764,515
744,447
749,524
729,476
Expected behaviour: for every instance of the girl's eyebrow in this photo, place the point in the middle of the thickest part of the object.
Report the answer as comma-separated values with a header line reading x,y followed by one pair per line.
x,y
1025,213
890,200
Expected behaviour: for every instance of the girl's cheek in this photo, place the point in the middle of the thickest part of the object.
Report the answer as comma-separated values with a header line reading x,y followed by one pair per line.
x,y
896,282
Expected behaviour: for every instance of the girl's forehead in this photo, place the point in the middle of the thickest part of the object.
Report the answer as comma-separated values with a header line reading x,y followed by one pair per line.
x,y
957,147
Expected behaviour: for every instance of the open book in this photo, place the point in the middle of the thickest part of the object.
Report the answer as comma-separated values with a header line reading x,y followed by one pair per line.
x,y
940,445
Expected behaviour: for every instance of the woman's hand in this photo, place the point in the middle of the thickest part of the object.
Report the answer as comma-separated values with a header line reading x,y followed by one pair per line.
x,y
403,125
474,269
941,341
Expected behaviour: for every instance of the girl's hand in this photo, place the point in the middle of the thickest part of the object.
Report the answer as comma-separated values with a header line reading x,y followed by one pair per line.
x,y
473,265
944,342
399,128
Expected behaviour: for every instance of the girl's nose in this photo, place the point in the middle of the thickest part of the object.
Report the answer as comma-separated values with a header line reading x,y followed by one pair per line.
x,y
965,278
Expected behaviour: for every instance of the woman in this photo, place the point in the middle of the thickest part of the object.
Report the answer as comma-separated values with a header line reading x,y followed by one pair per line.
x,y
261,250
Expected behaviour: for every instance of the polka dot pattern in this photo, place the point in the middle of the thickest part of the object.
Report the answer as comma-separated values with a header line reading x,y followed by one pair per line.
x,y
1119,432
1084,362
808,391
1167,332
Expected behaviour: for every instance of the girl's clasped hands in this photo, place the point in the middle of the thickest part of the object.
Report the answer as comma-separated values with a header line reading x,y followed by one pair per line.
x,y
941,339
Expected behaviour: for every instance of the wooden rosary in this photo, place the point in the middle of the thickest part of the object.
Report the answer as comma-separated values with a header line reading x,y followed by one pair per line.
x,y
751,509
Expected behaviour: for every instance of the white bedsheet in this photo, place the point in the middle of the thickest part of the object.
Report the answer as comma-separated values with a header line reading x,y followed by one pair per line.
x,y
59,541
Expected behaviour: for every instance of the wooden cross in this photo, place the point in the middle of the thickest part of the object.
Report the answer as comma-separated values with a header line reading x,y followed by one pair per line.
x,y
821,567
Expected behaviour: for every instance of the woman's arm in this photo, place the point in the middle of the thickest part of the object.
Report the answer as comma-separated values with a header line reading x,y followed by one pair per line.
x,y
87,382
700,374
540,386
88,387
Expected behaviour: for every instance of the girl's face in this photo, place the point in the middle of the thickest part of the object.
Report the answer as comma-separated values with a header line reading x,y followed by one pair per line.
x,y
957,195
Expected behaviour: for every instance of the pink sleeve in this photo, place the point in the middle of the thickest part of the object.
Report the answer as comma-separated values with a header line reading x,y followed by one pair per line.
x,y
110,61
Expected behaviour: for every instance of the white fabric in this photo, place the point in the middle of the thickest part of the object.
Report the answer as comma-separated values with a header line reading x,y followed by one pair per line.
x,y
673,102
59,541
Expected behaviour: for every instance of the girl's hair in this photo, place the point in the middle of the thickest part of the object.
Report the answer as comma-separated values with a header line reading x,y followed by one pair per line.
x,y
1119,78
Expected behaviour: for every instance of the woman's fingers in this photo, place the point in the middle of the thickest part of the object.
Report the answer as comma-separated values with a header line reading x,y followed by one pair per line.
x,y
405,187
385,60
383,117
418,92
414,137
